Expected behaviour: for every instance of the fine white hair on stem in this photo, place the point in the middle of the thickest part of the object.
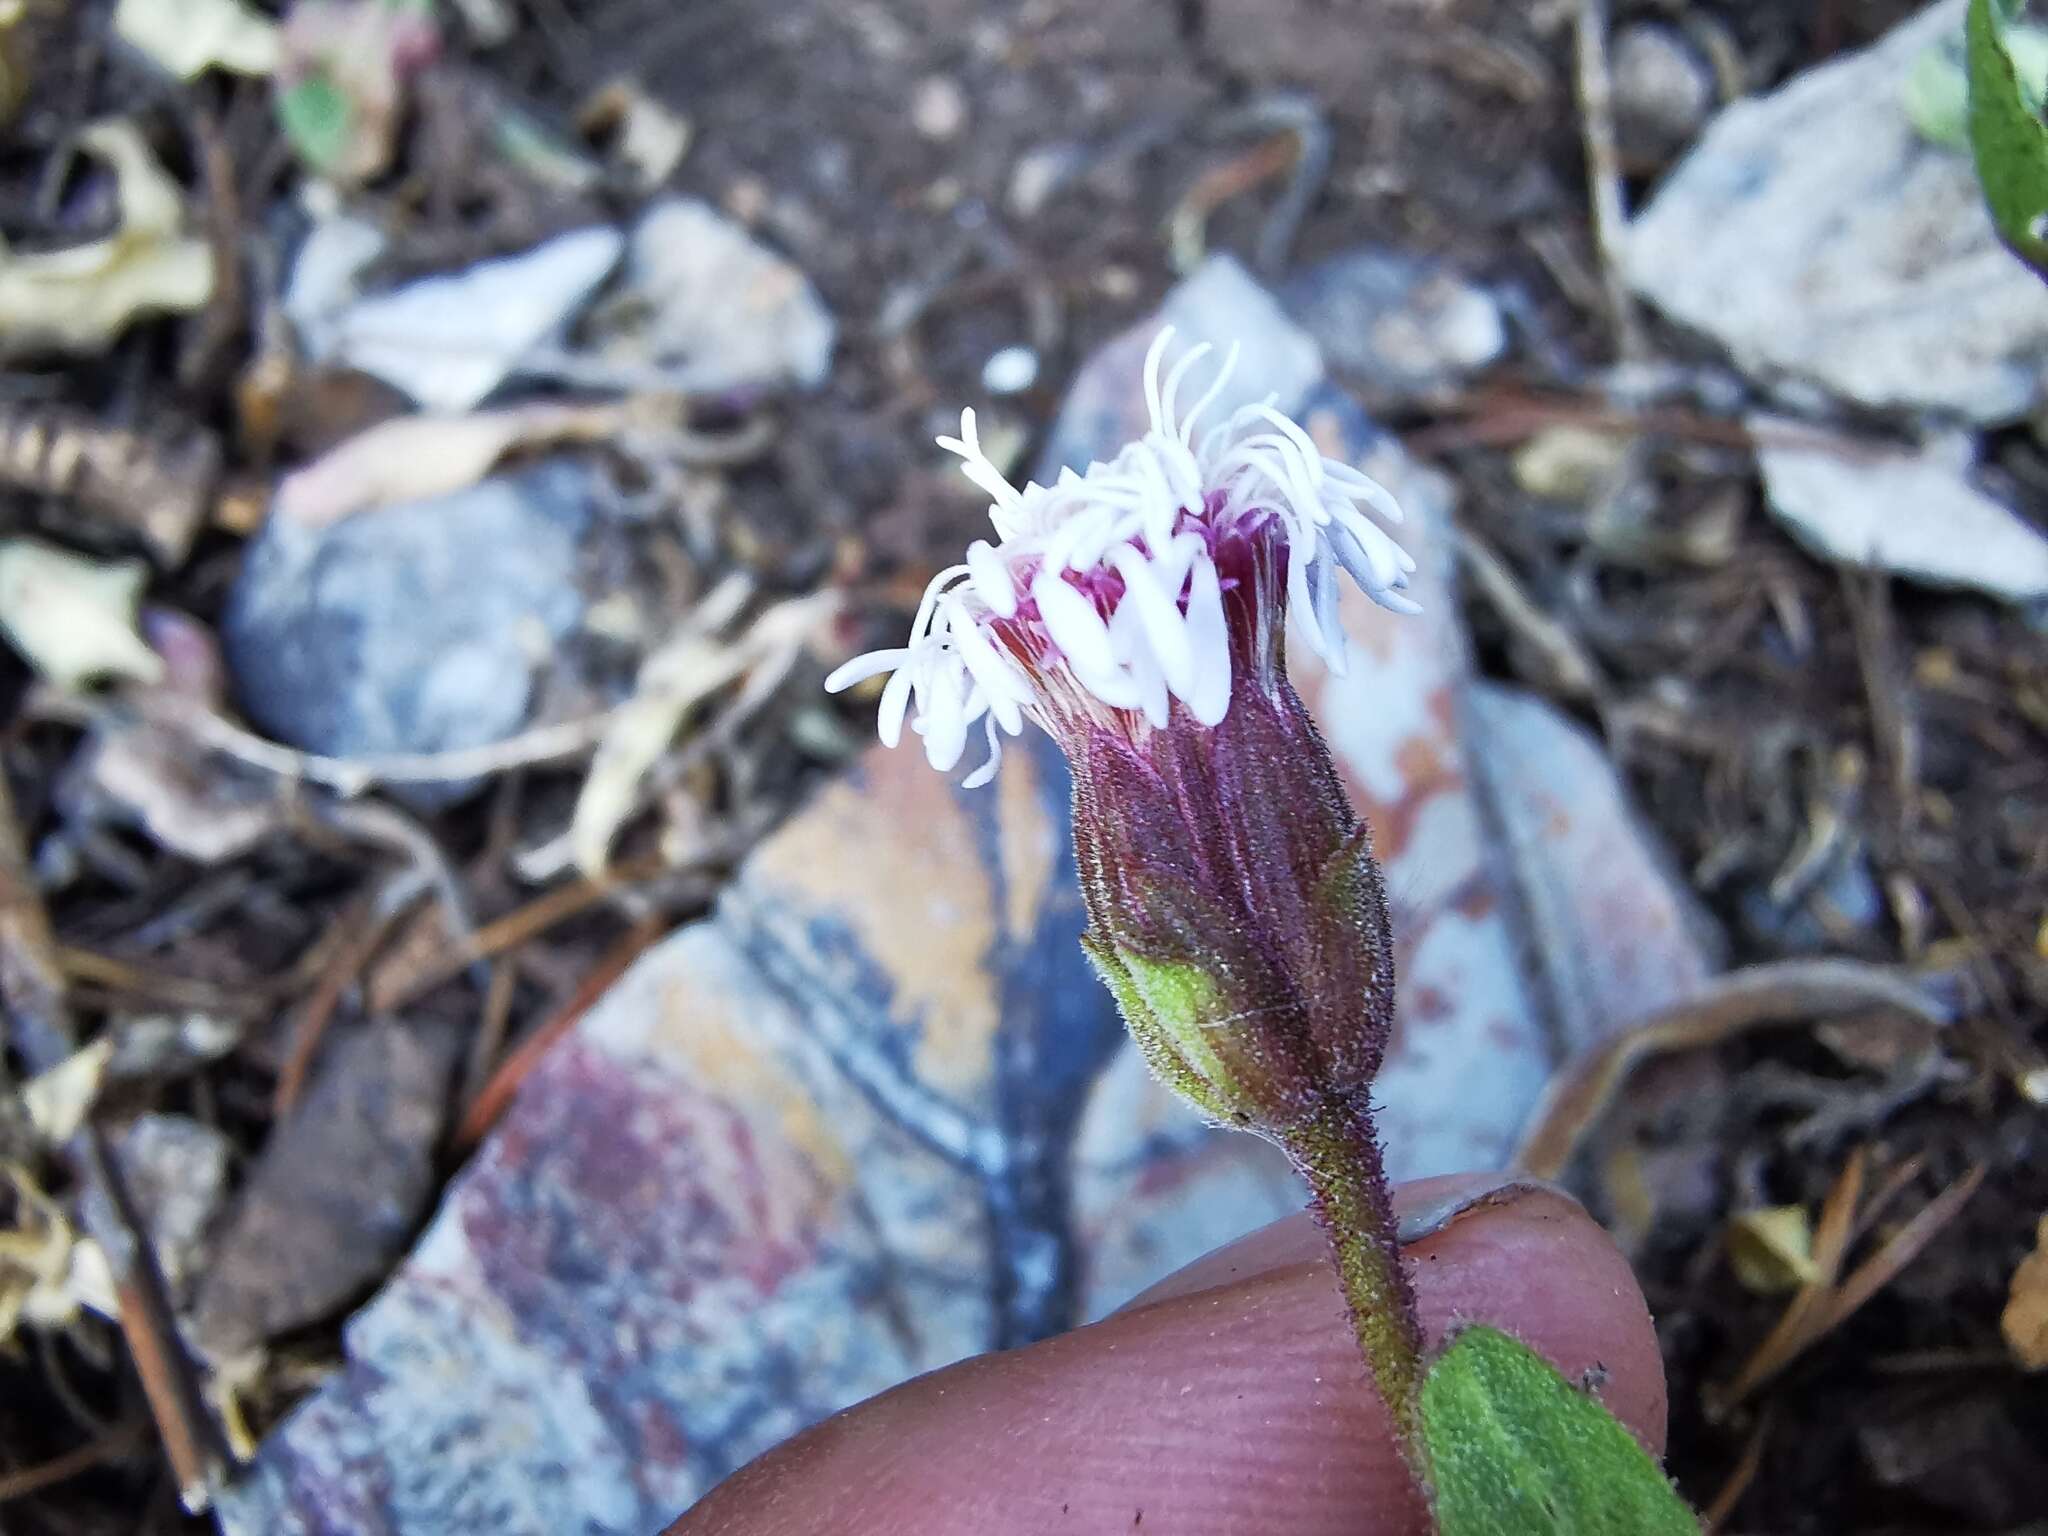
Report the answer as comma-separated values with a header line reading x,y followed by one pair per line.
x,y
1100,594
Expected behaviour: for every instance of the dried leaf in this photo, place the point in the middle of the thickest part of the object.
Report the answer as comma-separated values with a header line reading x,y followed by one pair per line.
x,y
417,458
189,37
157,483
74,618
2025,1319
186,798
343,77
1771,1250
332,1200
450,339
646,137
80,298
38,1259
59,1100
679,674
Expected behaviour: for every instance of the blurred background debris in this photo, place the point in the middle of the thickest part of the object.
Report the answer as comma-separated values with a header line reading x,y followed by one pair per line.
x,y
460,967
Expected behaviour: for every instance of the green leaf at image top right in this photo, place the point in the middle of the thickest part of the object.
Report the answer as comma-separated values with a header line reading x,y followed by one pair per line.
x,y
2007,138
1516,1450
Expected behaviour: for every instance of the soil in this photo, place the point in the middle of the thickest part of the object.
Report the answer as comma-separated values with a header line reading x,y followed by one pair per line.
x,y
958,176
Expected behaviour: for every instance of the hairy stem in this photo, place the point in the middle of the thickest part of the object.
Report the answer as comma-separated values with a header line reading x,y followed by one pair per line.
x,y
1338,1153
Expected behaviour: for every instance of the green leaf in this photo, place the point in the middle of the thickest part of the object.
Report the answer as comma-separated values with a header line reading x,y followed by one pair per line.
x,y
1516,1450
316,119
2007,137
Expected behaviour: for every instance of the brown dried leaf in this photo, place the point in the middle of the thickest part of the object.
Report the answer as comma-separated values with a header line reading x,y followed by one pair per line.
x,y
2025,1319
336,1192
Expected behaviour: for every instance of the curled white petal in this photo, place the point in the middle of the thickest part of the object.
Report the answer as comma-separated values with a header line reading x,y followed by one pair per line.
x,y
1076,628
1127,608
863,667
991,577
1209,637
1160,617
895,700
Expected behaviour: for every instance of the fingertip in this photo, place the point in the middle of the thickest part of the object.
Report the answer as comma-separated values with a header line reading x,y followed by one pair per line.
x,y
1233,1405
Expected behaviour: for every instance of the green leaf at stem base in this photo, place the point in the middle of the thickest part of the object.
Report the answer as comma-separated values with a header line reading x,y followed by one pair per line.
x,y
2007,137
1516,1450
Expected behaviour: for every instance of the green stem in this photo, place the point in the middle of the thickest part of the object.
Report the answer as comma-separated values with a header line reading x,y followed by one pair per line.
x,y
1338,1153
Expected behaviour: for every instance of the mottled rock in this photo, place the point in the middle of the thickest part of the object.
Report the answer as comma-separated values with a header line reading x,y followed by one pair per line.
x,y
1614,931
876,1113
1397,326
1819,238
808,1147
412,628
1913,513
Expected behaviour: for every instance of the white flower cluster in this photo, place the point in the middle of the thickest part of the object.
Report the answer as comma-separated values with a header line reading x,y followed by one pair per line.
x,y
1103,586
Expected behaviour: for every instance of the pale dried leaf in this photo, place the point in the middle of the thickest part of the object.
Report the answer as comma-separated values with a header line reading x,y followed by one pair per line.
x,y
80,298
71,617
183,796
417,458
59,1100
1771,1249
647,138
450,339
682,673
189,37
2025,1319
39,1258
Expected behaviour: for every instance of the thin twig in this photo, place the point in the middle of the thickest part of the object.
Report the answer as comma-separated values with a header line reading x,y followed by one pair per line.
x,y
19,1485
1906,1244
371,924
1603,174
1781,992
497,1092
518,926
1739,1478
38,1011
1794,1328
352,775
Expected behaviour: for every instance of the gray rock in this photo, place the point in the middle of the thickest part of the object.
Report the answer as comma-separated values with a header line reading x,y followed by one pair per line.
x,y
1397,326
1915,514
176,1171
412,628
1615,931
1819,238
1663,91
712,308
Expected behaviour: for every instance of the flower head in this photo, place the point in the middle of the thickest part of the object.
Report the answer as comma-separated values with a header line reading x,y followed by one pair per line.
x,y
1151,585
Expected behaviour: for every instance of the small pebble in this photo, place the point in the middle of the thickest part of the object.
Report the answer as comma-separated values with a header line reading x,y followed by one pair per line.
x,y
1010,371
938,109
1663,91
